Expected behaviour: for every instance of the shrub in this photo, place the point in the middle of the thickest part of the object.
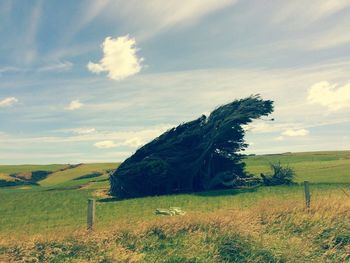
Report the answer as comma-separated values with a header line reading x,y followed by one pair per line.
x,y
281,175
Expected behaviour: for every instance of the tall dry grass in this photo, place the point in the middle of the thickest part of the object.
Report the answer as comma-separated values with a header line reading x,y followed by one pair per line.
x,y
282,231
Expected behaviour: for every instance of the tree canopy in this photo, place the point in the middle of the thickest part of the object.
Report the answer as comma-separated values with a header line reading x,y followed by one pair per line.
x,y
198,155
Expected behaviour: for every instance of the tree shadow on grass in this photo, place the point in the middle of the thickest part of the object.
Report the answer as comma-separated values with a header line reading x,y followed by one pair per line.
x,y
109,199
212,193
226,192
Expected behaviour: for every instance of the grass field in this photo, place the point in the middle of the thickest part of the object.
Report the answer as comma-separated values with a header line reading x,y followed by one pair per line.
x,y
262,223
10,169
317,167
71,177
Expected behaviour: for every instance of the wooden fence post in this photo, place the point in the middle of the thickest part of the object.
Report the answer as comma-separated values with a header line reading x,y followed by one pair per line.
x,y
307,194
91,213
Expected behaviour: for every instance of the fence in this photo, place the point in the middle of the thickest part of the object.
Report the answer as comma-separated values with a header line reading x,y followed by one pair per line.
x,y
38,211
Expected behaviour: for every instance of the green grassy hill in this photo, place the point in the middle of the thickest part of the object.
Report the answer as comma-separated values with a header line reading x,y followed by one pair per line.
x,y
12,175
78,175
11,169
317,167
257,224
57,175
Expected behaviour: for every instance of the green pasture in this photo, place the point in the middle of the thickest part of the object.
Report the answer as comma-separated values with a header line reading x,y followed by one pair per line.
x,y
43,211
60,200
316,167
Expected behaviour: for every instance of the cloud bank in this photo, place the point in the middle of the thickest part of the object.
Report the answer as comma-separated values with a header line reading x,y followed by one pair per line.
x,y
329,95
119,58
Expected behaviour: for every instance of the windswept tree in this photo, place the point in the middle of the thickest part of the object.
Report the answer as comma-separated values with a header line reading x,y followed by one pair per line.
x,y
198,155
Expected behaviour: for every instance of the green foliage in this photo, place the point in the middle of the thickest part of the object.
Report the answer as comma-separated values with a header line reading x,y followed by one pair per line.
x,y
198,155
281,175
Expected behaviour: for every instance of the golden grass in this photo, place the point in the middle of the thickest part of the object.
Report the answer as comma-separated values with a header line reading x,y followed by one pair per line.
x,y
285,227
6,177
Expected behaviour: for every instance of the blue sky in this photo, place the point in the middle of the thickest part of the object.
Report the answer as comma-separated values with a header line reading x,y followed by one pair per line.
x,y
91,81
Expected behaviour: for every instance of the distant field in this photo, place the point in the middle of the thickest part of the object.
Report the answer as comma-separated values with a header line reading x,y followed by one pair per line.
x,y
68,177
57,175
316,167
9,169
12,175
57,205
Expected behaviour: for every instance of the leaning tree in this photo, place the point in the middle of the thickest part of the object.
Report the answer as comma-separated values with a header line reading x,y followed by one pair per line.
x,y
198,155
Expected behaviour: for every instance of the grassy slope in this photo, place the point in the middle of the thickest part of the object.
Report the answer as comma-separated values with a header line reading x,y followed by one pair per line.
x,y
7,172
317,167
6,177
67,177
9,169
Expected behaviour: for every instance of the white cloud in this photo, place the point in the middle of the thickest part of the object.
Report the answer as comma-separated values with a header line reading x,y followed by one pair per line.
x,y
259,126
292,133
94,68
90,10
320,23
74,105
144,19
147,18
268,126
131,139
9,69
119,58
159,15
7,102
106,144
304,13
135,142
330,95
58,67
279,138
124,138
79,131
295,132
83,130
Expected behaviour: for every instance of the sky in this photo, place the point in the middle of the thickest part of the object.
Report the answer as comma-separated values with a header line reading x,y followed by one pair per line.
x,y
92,81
